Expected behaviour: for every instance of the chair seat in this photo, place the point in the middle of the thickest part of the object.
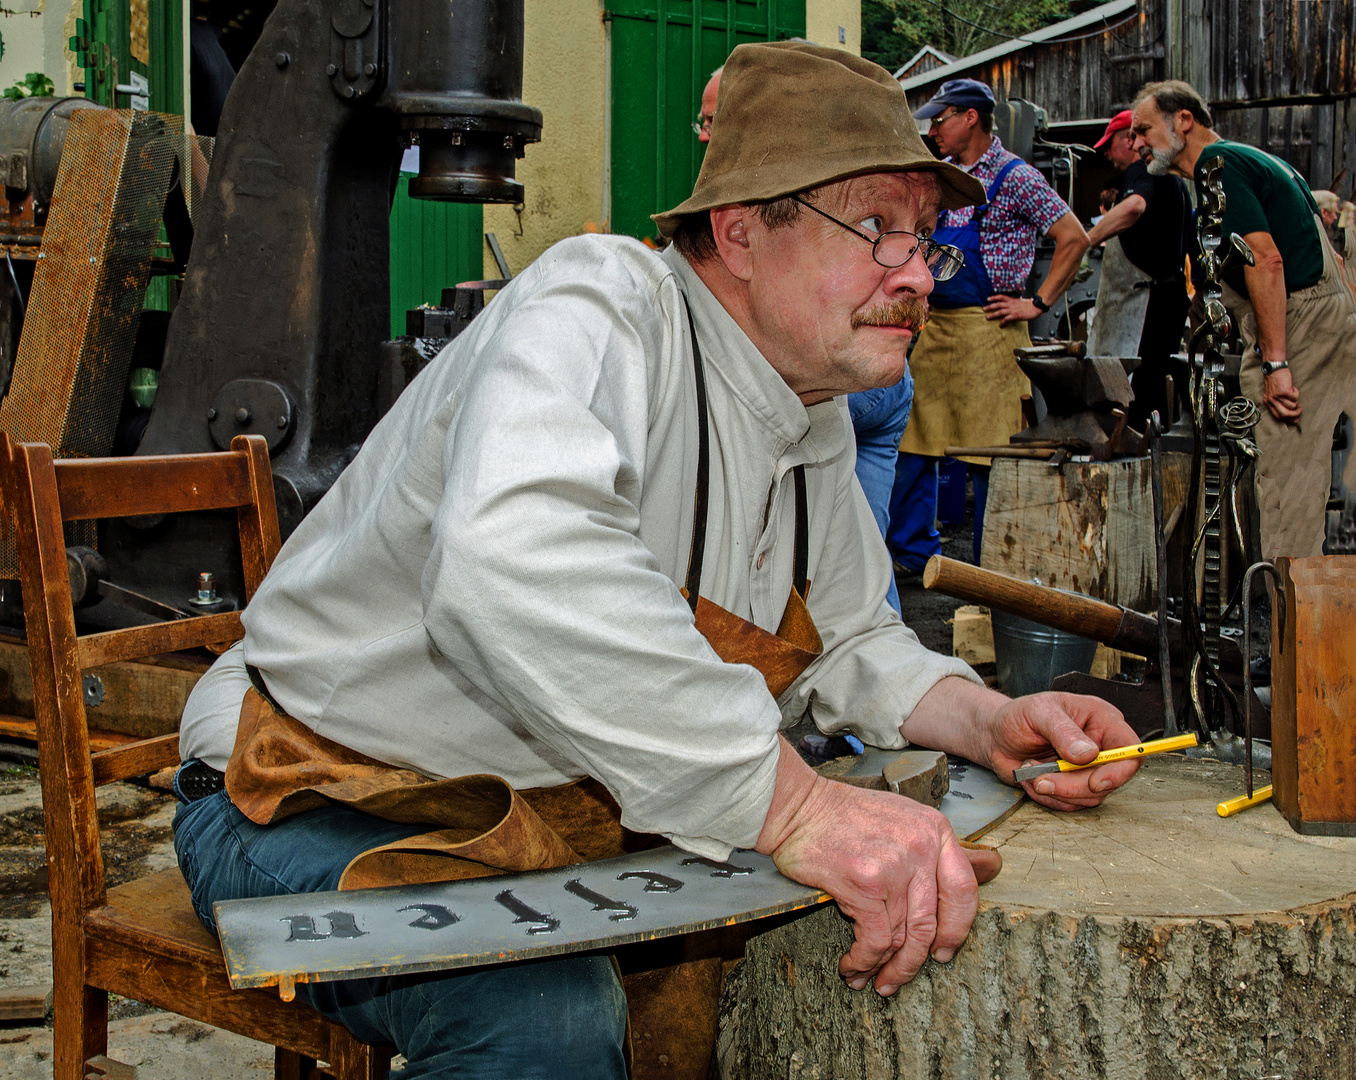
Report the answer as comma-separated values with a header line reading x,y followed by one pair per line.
x,y
156,912
147,944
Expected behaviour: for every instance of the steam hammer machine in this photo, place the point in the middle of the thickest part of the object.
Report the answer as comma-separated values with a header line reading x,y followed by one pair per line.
x,y
286,295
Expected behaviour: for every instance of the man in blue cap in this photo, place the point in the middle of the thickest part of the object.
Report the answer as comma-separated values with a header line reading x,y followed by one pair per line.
x,y
967,385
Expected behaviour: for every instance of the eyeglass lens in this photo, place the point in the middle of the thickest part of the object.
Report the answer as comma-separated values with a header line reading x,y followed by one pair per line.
x,y
896,248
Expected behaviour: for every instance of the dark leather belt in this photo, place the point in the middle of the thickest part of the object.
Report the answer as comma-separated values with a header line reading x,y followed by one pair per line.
x,y
196,780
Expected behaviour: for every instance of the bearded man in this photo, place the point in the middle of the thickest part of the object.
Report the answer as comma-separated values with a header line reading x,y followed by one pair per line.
x,y
550,557
1296,316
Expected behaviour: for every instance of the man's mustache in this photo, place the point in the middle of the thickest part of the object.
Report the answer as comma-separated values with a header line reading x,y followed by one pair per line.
x,y
909,312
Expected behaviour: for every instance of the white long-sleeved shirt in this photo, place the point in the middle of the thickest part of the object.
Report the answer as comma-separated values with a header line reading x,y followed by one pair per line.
x,y
492,584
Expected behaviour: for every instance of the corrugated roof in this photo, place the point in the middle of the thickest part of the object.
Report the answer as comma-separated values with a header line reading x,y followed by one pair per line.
x,y
1089,18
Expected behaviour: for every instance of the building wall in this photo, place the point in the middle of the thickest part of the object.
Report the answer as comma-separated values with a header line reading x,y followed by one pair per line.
x,y
564,75
566,175
35,35
824,17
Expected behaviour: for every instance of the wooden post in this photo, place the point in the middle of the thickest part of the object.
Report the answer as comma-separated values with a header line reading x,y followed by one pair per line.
x,y
1084,526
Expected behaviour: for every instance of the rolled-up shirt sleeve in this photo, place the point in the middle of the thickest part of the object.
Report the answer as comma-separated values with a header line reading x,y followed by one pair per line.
x,y
874,671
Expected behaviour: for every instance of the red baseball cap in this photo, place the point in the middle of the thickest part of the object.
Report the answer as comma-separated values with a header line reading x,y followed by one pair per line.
x,y
1119,122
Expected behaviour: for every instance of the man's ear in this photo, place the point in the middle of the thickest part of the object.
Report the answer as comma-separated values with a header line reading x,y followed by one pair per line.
x,y
729,225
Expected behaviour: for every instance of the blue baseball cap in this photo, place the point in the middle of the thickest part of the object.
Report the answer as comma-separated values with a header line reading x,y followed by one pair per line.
x,y
961,93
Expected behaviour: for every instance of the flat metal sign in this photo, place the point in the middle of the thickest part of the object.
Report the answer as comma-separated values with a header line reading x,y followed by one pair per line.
x,y
321,937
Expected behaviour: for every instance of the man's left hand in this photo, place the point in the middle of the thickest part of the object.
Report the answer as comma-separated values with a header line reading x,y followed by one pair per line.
x,y
1074,727
1010,309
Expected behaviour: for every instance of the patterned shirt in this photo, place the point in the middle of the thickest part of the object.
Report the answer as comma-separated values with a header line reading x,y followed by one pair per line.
x,y
1025,207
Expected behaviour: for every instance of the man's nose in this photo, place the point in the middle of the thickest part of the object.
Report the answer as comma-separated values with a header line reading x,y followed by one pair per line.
x,y
912,279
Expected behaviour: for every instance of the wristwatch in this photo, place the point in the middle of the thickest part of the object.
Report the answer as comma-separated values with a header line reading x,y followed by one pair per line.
x,y
1270,367
1040,304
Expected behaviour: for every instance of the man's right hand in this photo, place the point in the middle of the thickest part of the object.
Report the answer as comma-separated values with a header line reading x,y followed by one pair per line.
x,y
1280,396
893,865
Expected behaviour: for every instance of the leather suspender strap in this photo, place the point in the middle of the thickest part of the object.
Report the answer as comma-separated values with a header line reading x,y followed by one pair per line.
x,y
701,497
802,563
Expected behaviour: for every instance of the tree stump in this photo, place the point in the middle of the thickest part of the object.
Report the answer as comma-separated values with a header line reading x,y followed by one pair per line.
x,y
1146,940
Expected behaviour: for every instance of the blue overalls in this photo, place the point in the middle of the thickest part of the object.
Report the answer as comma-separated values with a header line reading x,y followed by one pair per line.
x,y
972,286
912,534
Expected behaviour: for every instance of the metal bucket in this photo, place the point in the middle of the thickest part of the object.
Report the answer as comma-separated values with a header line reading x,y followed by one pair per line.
x,y
1030,656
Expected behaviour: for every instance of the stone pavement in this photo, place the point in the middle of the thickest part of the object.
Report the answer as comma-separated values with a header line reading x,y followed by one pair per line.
x,y
162,1046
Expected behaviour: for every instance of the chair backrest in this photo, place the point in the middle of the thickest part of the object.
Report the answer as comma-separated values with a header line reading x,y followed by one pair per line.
x,y
39,495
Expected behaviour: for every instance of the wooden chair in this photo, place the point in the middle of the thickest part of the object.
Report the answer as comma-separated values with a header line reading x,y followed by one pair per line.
x,y
142,939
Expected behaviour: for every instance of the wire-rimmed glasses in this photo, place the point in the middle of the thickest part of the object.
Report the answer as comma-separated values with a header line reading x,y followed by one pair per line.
x,y
891,249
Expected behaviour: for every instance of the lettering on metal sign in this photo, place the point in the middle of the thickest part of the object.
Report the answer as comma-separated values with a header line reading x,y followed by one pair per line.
x,y
434,916
545,923
303,928
718,869
661,883
621,912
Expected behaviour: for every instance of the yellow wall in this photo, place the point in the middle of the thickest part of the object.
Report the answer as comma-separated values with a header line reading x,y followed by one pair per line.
x,y
35,33
565,51
824,17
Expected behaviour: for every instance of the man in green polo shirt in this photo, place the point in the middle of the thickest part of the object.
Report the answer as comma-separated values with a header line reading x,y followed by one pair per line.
x,y
1297,320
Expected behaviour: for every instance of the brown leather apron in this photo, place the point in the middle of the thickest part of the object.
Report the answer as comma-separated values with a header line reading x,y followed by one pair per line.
x,y
481,825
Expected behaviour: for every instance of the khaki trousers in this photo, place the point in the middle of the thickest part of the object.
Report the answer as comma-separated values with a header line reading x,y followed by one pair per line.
x,y
1294,472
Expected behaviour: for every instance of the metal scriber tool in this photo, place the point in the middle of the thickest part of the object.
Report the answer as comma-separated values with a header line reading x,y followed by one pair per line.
x,y
1121,753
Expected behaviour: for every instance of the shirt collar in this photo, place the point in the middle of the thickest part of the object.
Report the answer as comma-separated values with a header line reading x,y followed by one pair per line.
x,y
801,434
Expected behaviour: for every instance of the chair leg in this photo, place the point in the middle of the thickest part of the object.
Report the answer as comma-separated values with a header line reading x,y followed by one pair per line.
x,y
289,1065
353,1059
79,1030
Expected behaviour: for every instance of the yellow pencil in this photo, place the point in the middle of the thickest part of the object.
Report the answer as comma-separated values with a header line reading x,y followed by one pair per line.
x,y
1121,753
1233,806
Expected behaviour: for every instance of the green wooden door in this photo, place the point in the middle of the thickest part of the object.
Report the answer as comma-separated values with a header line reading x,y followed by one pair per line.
x,y
117,39
660,63
434,245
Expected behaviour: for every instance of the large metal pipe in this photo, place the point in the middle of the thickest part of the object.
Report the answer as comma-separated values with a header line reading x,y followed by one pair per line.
x,y
32,138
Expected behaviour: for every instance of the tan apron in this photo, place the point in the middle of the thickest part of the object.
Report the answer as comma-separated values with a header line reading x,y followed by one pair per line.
x,y
967,387
1294,470
482,826
1122,301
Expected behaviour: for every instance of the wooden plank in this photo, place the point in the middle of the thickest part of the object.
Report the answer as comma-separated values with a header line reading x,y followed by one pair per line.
x,y
22,727
25,1002
972,635
96,650
1314,697
141,698
1086,527
103,487
135,759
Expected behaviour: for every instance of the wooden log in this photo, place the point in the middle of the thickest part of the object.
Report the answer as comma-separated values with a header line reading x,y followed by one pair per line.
x,y
1084,526
1149,939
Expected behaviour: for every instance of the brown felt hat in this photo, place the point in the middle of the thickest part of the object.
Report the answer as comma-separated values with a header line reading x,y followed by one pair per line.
x,y
791,116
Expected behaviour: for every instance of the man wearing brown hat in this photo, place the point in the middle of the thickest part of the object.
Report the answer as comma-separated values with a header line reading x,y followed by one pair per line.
x,y
605,547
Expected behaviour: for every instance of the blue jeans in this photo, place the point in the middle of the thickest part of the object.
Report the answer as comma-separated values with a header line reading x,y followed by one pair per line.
x,y
879,418
546,1019
912,535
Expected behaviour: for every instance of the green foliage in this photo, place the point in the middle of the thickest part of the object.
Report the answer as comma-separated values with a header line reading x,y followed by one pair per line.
x,y
34,84
893,30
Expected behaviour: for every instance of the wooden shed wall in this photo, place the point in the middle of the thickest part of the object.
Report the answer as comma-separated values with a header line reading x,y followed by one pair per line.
x,y
1280,74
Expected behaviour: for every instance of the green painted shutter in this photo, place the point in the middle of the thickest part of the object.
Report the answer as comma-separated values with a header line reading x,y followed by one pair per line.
x,y
434,245
660,64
